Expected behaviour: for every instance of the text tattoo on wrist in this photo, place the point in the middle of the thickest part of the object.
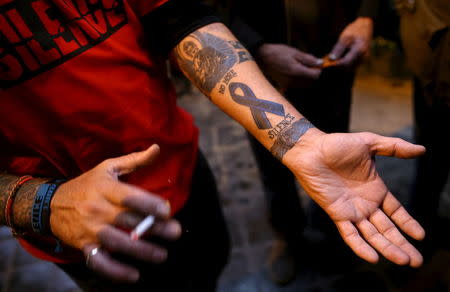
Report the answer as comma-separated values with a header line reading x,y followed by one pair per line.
x,y
289,137
206,59
286,122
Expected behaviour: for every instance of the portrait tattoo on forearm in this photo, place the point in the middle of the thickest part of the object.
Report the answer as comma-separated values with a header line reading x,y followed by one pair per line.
x,y
206,59
243,95
289,137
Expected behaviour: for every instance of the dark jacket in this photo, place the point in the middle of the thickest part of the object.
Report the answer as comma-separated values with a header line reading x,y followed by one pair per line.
x,y
314,29
425,32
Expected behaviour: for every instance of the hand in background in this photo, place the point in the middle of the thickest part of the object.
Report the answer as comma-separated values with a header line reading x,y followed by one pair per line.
x,y
354,43
338,172
92,210
288,66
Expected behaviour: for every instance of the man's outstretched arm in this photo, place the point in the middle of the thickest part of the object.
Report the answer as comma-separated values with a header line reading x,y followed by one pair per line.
x,y
336,170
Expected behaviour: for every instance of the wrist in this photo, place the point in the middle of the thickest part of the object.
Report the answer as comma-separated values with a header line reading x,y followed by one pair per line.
x,y
307,143
57,204
40,213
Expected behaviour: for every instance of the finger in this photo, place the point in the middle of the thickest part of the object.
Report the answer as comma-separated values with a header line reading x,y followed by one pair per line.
x,y
127,219
103,264
301,70
130,162
386,146
170,230
390,231
352,55
352,238
338,50
401,217
118,241
167,229
308,60
381,244
138,200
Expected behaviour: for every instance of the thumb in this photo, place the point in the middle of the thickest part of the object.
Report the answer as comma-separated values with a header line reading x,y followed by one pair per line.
x,y
128,163
338,50
396,147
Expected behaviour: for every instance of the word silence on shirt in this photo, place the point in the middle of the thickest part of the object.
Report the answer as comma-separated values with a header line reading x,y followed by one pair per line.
x,y
38,35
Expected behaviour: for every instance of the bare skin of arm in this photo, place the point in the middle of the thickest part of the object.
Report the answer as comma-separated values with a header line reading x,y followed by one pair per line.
x,y
337,170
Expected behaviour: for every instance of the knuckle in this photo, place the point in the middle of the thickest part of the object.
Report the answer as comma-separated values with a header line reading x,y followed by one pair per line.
x,y
106,164
113,245
90,207
388,232
291,69
385,248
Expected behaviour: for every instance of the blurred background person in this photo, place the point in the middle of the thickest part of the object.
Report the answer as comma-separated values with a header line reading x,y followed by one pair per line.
x,y
424,30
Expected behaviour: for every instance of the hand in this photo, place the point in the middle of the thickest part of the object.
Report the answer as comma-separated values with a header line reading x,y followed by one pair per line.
x,y
88,211
355,39
288,66
338,172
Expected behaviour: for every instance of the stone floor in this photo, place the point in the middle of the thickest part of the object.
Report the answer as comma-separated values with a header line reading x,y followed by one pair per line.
x,y
378,106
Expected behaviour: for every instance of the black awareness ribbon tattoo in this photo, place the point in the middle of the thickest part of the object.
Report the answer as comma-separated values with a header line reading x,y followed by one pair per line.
x,y
258,107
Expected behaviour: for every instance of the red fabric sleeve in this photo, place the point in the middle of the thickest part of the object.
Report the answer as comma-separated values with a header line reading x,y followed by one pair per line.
x,y
143,7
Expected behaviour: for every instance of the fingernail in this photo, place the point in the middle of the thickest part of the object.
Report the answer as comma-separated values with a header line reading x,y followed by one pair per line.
x,y
319,62
163,209
332,57
174,230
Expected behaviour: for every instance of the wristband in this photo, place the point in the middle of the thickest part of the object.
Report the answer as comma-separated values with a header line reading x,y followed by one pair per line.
x,y
40,212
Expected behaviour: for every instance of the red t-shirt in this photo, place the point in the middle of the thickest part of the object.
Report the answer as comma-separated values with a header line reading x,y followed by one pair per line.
x,y
78,86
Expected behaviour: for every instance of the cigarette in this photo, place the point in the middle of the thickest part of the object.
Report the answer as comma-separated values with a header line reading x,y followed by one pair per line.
x,y
142,227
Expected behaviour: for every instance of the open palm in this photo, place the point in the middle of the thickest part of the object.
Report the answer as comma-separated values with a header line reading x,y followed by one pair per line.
x,y
338,172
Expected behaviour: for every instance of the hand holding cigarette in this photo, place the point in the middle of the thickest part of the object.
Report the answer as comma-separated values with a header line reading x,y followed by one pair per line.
x,y
142,227
108,207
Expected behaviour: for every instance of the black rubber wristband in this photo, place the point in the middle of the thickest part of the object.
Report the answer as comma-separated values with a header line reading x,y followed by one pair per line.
x,y
40,213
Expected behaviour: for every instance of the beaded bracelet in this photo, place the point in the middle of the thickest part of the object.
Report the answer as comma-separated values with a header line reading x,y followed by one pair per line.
x,y
40,213
12,191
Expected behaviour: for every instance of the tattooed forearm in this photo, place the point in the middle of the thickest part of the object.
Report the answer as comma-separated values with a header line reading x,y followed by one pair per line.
x,y
5,181
286,122
22,204
243,95
206,59
289,137
21,215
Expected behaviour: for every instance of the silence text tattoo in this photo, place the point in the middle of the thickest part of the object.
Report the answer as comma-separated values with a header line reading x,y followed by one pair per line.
x,y
289,137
